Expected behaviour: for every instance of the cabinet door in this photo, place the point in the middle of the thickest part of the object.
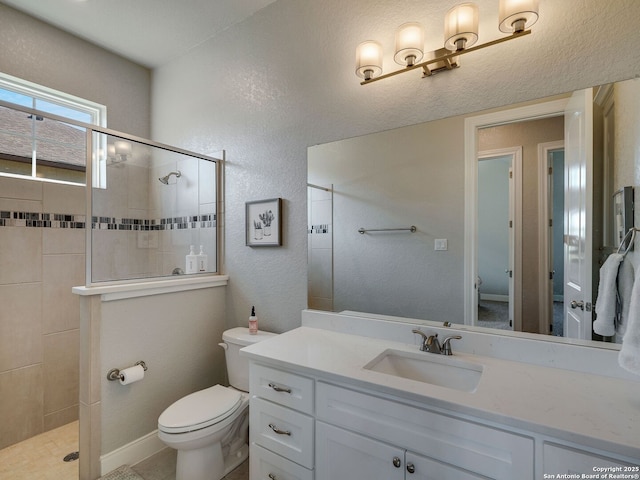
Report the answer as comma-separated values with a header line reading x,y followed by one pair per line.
x,y
344,455
422,468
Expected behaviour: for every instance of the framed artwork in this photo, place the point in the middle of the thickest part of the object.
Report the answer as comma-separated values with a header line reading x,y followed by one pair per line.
x,y
263,223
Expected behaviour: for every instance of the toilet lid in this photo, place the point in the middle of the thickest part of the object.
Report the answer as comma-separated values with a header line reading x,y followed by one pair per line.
x,y
200,410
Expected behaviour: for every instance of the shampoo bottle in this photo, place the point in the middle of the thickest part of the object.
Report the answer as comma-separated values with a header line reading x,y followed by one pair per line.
x,y
253,322
203,260
191,261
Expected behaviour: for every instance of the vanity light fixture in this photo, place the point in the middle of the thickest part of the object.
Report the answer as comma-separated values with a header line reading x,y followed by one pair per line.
x,y
460,36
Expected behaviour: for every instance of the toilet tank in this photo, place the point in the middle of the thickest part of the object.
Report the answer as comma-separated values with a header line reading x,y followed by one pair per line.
x,y
238,367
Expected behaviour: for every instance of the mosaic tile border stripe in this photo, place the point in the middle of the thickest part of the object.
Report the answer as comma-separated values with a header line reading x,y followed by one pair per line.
x,y
41,220
169,223
323,228
60,220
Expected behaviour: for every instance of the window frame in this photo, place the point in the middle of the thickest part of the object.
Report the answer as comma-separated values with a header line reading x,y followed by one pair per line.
x,y
96,111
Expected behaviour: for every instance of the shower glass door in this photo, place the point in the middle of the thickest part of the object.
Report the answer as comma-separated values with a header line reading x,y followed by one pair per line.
x,y
150,204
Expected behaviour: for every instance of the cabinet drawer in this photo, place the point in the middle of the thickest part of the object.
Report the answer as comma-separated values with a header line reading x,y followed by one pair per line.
x,y
266,465
488,451
282,430
285,388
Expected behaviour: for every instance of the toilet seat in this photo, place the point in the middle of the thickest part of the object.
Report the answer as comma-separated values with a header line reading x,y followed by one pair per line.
x,y
200,410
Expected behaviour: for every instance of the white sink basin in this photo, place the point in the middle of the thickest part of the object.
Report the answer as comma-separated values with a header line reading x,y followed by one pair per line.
x,y
441,370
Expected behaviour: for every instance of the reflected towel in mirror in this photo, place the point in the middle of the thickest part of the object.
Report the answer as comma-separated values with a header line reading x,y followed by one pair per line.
x,y
608,304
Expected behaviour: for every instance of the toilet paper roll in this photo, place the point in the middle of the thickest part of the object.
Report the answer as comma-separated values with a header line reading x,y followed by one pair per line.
x,y
131,374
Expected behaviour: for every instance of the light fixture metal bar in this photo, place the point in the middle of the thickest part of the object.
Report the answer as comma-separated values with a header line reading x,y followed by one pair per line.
x,y
447,57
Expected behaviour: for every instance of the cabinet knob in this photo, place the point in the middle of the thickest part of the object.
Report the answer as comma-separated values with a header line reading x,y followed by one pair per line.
x,y
397,462
272,476
411,468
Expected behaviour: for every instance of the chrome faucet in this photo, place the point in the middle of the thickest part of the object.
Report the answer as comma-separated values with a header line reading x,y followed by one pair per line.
x,y
431,344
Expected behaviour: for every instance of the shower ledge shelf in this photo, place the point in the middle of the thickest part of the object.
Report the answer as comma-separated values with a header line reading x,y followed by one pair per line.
x,y
155,287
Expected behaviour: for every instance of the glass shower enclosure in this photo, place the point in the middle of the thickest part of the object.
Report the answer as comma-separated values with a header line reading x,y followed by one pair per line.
x,y
149,205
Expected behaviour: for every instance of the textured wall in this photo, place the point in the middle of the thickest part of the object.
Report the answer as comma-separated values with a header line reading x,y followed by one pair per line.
x,y
45,55
283,80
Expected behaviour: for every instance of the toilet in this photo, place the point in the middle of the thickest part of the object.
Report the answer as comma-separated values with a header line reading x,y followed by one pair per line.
x,y
210,428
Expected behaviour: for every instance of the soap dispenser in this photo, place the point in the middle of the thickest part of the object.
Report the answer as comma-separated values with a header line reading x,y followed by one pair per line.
x,y
253,322
191,261
203,260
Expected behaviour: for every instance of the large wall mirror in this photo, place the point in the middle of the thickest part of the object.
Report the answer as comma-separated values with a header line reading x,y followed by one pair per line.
x,y
481,219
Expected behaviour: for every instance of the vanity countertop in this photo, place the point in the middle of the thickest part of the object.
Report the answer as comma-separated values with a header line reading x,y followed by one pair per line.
x,y
592,410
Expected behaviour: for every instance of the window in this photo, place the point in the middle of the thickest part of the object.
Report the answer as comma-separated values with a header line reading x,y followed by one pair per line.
x,y
36,146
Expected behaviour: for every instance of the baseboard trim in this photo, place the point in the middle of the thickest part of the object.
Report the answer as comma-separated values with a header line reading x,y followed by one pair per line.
x,y
132,453
494,297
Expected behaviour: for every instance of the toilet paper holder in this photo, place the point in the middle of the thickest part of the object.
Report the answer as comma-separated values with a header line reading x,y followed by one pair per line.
x,y
114,373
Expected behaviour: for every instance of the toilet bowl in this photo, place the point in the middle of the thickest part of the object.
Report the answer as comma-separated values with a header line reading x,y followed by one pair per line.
x,y
210,428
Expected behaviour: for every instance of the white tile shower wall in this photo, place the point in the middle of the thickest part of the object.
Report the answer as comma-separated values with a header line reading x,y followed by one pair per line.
x,y
39,318
320,245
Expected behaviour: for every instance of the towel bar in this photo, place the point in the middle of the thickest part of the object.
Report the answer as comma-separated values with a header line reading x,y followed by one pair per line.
x,y
411,229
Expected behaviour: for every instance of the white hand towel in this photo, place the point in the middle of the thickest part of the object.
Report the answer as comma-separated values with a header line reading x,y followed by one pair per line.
x,y
626,276
606,309
629,357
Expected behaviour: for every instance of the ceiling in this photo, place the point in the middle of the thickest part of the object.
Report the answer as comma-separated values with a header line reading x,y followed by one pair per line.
x,y
148,32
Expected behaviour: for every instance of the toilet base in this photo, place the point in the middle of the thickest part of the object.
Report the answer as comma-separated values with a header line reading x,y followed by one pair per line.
x,y
208,463
233,461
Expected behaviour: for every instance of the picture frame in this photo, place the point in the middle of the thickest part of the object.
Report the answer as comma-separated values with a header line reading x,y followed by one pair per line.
x,y
263,223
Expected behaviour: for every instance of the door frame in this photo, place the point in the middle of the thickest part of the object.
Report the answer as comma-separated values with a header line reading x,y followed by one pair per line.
x,y
471,126
545,283
515,232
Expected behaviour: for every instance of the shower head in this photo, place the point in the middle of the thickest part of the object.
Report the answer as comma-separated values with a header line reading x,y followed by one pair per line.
x,y
165,179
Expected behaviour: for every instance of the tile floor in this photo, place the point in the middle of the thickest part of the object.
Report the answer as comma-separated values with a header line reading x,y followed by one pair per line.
x,y
41,458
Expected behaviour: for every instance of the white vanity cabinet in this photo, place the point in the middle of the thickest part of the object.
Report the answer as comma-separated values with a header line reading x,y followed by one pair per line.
x,y
344,454
281,425
398,435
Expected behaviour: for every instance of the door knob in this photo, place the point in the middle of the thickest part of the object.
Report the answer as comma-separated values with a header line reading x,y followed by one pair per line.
x,y
574,304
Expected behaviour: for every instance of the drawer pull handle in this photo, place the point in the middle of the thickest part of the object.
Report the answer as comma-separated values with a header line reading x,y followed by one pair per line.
x,y
278,431
397,462
411,468
279,389
272,476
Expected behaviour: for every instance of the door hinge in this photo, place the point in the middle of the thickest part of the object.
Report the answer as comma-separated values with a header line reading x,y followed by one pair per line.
x,y
510,323
551,222
510,173
510,223
550,170
551,274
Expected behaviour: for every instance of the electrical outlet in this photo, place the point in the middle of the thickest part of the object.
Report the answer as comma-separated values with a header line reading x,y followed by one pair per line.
x,y
440,244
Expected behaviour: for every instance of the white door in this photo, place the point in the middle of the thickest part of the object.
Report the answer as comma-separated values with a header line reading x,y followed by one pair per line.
x,y
577,216
499,229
